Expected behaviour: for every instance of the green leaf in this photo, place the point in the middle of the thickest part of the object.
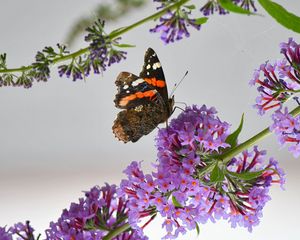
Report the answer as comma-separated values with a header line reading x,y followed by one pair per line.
x,y
3,61
231,7
246,175
124,45
197,229
201,20
232,138
116,31
281,15
191,7
176,203
217,174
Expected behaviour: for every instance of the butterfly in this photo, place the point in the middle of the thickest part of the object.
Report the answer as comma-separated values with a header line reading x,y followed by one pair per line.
x,y
144,99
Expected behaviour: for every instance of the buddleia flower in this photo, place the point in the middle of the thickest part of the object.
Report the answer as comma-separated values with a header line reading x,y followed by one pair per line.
x,y
190,186
174,25
279,81
93,217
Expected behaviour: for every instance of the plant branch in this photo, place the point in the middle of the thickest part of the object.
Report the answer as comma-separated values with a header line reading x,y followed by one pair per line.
x,y
112,35
117,231
227,156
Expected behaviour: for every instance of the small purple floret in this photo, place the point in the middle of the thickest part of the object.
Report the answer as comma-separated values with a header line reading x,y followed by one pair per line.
x,y
17,231
212,6
287,129
5,234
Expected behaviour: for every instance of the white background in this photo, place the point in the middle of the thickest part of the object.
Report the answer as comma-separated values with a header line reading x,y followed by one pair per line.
x,y
56,137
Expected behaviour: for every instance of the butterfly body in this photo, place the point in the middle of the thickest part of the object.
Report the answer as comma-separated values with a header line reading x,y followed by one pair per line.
x,y
144,99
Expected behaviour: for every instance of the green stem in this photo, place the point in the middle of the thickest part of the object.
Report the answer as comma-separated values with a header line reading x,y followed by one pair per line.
x,y
226,157
117,231
112,35
152,17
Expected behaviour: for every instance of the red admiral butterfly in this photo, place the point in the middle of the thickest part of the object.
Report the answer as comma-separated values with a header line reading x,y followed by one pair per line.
x,y
144,98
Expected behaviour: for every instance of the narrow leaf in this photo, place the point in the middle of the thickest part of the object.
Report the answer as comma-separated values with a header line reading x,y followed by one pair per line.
x,y
217,174
232,138
3,61
197,229
247,175
116,31
191,7
231,7
175,202
281,15
201,20
124,45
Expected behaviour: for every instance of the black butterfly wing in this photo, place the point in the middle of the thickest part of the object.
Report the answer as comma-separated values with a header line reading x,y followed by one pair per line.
x,y
142,113
153,74
133,91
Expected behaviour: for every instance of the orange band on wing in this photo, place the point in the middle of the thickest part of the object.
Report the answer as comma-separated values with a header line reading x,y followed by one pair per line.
x,y
155,83
150,94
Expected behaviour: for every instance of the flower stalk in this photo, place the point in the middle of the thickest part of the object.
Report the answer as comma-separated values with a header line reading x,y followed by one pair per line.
x,y
117,231
227,156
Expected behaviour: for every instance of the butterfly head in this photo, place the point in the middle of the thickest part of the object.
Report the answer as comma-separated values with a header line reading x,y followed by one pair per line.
x,y
171,102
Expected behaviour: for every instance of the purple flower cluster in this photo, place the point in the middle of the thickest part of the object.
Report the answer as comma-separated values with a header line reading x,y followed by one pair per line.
x,y
181,189
174,25
100,212
197,129
291,51
279,81
212,6
287,129
19,230
102,53
247,203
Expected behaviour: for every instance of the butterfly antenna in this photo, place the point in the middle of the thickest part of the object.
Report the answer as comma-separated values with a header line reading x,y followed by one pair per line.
x,y
177,84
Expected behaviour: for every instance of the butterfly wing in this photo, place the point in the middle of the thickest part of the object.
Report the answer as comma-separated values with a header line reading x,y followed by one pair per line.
x,y
133,91
143,108
132,124
153,74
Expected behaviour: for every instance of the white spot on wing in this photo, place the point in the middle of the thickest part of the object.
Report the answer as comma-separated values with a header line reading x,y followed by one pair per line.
x,y
148,66
137,82
125,87
127,91
156,65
